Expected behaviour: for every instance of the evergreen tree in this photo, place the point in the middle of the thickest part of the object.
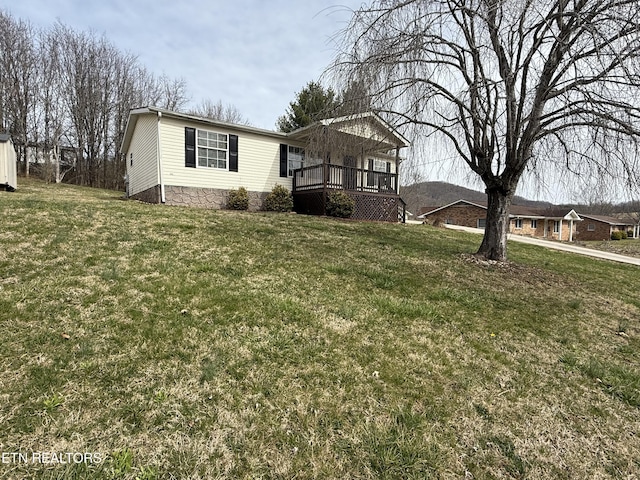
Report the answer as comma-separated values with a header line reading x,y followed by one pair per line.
x,y
312,103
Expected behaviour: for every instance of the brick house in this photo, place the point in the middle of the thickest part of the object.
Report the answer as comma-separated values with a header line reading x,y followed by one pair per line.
x,y
553,223
600,227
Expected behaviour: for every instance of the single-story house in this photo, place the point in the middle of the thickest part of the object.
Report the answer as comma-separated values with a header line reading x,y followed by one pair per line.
x,y
600,227
178,159
8,166
553,223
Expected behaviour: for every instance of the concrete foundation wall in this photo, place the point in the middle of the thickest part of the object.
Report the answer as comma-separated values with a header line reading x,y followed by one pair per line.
x,y
150,195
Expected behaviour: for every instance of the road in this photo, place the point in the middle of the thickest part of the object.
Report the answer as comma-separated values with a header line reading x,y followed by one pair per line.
x,y
565,247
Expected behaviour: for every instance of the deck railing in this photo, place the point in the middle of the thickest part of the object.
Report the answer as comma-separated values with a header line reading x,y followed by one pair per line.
x,y
338,177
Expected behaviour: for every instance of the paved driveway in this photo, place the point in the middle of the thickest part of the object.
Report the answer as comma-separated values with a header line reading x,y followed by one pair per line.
x,y
559,246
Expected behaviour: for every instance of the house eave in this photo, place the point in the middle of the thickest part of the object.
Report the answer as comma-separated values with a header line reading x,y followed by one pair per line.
x,y
135,113
424,215
396,139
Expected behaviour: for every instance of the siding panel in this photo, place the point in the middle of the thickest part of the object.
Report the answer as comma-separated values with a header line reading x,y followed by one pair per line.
x,y
258,165
143,174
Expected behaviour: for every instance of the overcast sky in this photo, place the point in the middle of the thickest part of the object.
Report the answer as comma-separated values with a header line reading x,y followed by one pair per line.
x,y
253,54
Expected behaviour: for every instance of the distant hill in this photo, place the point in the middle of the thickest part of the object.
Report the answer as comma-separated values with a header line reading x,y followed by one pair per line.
x,y
436,194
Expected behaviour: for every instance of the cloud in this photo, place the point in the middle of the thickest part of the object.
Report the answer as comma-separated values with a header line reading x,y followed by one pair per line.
x,y
252,54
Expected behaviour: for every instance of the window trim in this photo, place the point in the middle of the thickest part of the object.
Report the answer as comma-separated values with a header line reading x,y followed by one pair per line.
x,y
556,226
534,223
199,146
591,227
518,224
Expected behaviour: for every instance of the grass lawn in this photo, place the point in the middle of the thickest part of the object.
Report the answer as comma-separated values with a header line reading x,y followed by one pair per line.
x,y
178,343
629,246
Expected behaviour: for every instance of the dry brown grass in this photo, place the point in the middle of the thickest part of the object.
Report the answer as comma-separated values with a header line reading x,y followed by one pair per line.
x,y
209,344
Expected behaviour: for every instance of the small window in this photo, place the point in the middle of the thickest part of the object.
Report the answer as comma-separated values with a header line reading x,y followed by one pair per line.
x,y
379,165
295,159
591,227
534,224
556,226
519,223
482,223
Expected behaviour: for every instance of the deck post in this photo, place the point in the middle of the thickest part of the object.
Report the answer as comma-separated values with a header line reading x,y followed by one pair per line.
x,y
325,174
397,169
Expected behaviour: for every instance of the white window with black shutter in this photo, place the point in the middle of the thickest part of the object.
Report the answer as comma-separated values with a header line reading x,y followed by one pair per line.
x,y
207,149
291,159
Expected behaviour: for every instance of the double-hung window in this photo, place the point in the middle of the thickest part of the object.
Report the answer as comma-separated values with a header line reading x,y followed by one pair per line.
x,y
213,149
295,159
519,223
379,165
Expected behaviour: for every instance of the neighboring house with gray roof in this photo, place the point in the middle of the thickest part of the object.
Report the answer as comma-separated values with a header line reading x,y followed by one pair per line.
x,y
601,227
552,223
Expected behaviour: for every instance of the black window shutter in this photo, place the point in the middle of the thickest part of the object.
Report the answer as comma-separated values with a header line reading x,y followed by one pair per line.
x,y
233,153
388,167
370,175
190,147
284,164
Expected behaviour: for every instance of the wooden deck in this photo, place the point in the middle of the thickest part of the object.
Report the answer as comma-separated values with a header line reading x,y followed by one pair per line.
x,y
337,177
375,193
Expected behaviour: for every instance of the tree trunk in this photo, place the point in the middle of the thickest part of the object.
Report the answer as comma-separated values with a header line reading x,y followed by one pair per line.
x,y
494,243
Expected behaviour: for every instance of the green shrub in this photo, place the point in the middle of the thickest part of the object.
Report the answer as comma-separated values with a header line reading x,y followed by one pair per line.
x,y
278,200
238,199
339,204
618,235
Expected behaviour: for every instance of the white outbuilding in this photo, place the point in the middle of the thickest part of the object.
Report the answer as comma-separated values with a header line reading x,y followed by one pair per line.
x,y
8,168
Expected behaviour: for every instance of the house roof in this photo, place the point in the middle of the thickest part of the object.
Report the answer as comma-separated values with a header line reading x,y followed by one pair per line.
x,y
394,138
610,220
137,112
390,136
518,211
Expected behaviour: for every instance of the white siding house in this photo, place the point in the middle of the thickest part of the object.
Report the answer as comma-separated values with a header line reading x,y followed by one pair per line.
x,y
180,159
8,167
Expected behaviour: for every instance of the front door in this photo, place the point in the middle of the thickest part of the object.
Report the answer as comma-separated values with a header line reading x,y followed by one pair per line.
x,y
349,173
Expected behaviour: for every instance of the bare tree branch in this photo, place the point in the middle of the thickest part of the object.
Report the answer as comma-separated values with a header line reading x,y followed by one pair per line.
x,y
502,81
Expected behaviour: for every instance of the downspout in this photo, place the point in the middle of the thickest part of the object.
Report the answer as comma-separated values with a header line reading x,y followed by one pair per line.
x,y
159,150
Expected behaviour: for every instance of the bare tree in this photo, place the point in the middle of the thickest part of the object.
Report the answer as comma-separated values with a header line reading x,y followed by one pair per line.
x,y
219,111
513,86
18,63
173,93
50,106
